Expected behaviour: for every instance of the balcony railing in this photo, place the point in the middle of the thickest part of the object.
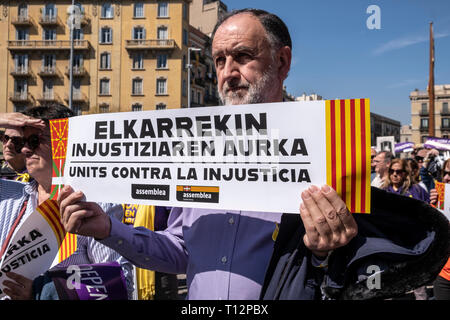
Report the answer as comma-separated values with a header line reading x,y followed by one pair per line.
x,y
47,97
423,112
21,71
77,97
77,71
423,128
48,19
22,20
48,71
20,97
154,44
16,45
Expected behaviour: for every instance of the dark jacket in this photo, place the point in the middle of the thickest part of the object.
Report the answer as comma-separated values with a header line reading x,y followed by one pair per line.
x,y
407,240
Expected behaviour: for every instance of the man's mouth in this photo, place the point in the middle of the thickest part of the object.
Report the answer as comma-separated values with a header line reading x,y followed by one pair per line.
x,y
234,89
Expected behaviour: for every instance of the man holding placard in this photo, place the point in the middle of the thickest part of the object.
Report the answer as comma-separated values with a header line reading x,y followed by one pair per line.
x,y
225,254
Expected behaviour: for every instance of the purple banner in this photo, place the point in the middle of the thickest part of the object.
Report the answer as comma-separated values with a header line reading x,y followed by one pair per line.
x,y
404,147
103,281
437,143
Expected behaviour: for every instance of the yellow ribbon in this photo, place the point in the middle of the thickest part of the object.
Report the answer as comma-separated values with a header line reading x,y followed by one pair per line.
x,y
23,177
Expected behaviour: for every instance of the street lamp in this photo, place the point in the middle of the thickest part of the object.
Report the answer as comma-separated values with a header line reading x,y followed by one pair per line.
x,y
74,22
189,66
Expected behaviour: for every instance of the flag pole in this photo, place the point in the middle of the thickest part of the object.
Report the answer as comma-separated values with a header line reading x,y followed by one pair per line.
x,y
431,125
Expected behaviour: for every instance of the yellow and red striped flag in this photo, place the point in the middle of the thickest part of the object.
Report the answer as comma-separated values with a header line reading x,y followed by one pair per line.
x,y
59,130
348,152
67,241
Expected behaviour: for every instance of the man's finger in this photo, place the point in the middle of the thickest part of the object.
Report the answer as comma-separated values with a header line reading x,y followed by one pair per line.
x,y
311,234
328,210
319,220
342,211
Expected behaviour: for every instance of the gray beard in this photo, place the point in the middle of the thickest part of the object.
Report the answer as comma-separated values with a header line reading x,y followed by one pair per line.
x,y
256,93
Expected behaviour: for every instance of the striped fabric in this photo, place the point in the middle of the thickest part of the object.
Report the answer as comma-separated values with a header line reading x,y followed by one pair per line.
x,y
348,152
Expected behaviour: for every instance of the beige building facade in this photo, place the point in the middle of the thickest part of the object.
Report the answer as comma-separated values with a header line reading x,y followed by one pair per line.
x,y
204,14
420,113
128,55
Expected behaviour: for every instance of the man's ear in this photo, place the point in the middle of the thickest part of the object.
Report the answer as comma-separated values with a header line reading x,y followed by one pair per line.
x,y
284,57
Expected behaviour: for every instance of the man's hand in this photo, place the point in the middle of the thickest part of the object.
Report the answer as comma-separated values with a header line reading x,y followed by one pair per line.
x,y
15,120
433,197
81,217
20,288
328,223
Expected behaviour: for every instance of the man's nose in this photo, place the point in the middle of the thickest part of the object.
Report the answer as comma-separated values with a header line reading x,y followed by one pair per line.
x,y
231,69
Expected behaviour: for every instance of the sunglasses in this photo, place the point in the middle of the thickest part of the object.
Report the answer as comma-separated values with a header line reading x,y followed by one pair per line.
x,y
444,173
16,141
419,159
399,172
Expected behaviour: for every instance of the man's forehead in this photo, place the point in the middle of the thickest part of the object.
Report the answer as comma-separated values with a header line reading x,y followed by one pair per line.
x,y
242,28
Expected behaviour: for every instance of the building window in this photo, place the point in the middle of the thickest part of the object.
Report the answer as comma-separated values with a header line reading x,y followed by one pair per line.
x,y
22,34
424,123
21,63
137,87
78,34
104,86
162,33
185,37
49,34
48,89
199,98
22,11
76,110
445,107
20,88
138,10
50,10
138,61
105,60
161,86
136,107
103,108
107,11
445,123
138,33
163,9
48,63
105,35
161,61
424,109
160,106
184,67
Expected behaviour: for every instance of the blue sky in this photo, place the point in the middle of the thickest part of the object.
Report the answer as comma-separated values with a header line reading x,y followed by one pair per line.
x,y
337,56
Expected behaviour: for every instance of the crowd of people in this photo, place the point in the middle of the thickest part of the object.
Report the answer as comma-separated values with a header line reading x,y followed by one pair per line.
x,y
414,175
321,253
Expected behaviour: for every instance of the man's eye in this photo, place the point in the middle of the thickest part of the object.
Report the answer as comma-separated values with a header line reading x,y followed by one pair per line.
x,y
220,61
243,57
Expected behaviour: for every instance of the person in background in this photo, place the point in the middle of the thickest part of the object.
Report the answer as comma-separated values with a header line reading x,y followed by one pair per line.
x,y
441,286
19,200
381,161
151,285
415,173
373,153
12,166
399,181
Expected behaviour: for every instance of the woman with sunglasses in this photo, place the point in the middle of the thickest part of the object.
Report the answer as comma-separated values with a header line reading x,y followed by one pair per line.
x,y
12,166
399,181
441,287
18,200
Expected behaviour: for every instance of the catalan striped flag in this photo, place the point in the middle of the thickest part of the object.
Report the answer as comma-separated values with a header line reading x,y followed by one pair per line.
x,y
67,242
59,131
348,151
